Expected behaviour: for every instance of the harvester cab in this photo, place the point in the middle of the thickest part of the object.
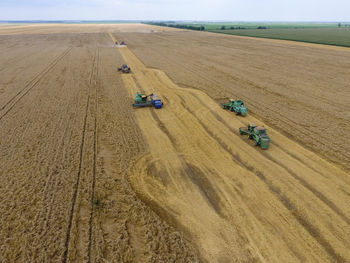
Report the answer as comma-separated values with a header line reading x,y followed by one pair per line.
x,y
236,106
257,134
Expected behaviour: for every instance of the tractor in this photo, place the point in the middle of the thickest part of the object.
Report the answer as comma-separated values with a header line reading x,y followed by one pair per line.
x,y
125,69
237,106
257,134
141,100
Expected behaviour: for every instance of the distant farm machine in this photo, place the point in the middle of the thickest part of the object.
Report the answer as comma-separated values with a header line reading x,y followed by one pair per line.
x,y
141,100
257,134
236,106
124,68
121,43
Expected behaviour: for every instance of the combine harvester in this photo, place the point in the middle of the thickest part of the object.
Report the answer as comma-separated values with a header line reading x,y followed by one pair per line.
x,y
125,69
141,100
257,134
237,106
120,44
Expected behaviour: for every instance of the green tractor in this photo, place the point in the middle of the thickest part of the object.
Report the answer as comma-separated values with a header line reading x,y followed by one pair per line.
x,y
237,106
257,134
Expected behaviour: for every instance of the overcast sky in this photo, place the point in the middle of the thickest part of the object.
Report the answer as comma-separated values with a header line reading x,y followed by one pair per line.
x,y
233,10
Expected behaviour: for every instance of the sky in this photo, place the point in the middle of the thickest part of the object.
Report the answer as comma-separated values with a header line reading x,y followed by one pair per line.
x,y
230,10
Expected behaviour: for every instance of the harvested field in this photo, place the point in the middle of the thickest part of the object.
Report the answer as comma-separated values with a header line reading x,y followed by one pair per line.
x,y
88,178
301,89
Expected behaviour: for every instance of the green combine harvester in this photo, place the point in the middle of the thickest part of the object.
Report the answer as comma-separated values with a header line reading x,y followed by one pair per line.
x,y
141,100
257,134
236,106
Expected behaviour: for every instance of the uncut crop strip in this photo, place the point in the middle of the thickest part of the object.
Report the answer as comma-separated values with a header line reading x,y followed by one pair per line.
x,y
7,107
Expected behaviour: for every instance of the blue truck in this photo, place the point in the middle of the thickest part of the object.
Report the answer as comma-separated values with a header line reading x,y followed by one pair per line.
x,y
156,101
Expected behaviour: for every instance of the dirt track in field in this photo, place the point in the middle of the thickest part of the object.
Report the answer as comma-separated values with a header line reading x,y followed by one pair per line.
x,y
90,179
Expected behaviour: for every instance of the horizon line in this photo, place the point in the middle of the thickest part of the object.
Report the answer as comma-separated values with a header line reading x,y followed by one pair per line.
x,y
163,20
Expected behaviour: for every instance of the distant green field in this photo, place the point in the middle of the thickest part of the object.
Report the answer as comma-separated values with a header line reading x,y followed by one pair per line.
x,y
320,33
329,36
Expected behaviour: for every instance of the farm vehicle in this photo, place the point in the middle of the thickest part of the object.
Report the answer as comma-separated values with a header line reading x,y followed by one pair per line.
x,y
236,106
257,134
125,69
141,100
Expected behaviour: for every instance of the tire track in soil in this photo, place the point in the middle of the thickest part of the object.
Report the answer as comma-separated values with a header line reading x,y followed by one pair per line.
x,y
76,185
94,162
23,92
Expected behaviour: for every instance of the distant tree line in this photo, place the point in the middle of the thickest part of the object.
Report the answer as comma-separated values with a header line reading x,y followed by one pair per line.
x,y
199,28
232,28
239,27
343,25
182,26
